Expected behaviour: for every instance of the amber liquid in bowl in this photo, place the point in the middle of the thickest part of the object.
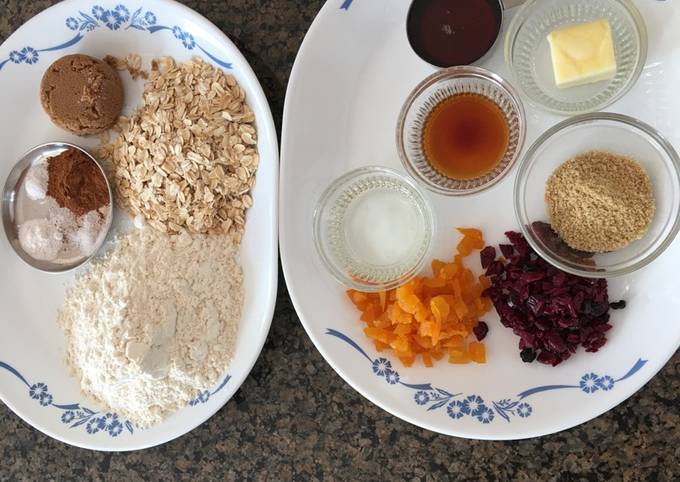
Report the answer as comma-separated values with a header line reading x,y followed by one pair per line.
x,y
465,136
453,32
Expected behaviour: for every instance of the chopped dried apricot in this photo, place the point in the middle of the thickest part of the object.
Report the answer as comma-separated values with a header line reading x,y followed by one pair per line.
x,y
477,352
430,316
471,233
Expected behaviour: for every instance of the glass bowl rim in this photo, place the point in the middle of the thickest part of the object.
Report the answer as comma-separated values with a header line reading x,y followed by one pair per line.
x,y
521,17
530,159
461,71
322,205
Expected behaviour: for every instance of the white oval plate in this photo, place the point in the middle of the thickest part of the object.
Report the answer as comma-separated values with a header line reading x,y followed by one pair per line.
x,y
353,72
34,381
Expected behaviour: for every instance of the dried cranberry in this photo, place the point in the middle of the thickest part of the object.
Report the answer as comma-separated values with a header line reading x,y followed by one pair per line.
x,y
528,355
552,312
554,342
532,277
487,256
507,250
548,358
496,268
536,305
481,330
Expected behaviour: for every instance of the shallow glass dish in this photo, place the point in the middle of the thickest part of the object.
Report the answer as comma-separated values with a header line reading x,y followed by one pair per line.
x,y
437,88
527,52
609,132
348,263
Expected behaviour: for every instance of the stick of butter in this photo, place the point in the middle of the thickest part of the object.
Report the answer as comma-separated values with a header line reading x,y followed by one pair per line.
x,y
582,54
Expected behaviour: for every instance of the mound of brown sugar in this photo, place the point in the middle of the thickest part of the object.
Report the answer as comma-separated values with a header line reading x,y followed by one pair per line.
x,y
82,94
600,202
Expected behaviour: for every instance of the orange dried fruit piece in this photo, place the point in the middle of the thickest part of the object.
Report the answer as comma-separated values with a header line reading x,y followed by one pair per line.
x,y
403,329
456,341
437,266
379,334
379,345
440,308
407,359
383,299
449,271
477,352
458,357
460,308
401,343
436,354
397,315
430,316
465,246
371,313
471,233
359,299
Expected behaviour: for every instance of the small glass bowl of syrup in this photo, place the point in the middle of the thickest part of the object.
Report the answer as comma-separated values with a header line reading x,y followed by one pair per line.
x,y
461,130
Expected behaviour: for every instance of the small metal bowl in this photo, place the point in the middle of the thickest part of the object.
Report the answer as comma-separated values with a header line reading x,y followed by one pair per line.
x,y
10,221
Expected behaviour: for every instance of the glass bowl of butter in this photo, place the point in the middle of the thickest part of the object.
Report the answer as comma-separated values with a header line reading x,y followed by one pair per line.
x,y
576,56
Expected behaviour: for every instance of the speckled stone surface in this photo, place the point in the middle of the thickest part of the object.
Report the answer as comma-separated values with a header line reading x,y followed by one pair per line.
x,y
294,418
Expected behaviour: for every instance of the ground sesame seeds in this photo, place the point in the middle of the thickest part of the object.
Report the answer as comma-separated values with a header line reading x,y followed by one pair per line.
x,y
600,201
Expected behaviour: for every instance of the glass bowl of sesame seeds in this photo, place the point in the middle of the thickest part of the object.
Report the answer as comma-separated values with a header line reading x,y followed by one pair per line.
x,y
615,223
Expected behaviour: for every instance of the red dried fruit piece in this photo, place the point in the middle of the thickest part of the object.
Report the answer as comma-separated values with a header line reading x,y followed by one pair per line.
x,y
481,330
552,312
487,256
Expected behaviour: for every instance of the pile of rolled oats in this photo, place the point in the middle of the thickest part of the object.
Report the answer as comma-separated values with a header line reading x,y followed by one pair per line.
x,y
186,159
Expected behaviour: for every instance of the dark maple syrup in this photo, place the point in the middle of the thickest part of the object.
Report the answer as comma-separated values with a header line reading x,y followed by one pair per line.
x,y
465,136
453,32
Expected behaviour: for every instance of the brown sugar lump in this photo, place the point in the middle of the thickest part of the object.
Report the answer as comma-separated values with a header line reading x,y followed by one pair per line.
x,y
82,94
600,202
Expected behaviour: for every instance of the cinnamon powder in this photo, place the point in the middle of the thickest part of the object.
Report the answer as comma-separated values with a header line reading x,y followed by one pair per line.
x,y
76,182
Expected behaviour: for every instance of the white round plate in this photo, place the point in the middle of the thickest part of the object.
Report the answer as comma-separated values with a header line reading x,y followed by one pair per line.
x,y
353,72
34,381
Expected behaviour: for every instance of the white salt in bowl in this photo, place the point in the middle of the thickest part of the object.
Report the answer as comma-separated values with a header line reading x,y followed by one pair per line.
x,y
10,207
364,246
618,134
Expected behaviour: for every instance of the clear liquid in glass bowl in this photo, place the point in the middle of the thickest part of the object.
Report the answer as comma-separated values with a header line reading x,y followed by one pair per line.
x,y
373,229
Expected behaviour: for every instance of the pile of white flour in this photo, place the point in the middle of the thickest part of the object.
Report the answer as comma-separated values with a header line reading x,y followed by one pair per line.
x,y
154,322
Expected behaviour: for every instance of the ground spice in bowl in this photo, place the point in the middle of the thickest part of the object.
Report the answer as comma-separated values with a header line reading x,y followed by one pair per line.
x,y
76,182
600,201
65,210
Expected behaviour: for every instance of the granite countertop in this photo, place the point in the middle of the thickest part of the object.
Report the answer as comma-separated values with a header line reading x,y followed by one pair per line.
x,y
294,418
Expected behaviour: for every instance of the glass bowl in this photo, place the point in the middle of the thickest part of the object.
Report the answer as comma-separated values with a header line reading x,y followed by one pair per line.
x,y
609,132
437,88
349,202
527,52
